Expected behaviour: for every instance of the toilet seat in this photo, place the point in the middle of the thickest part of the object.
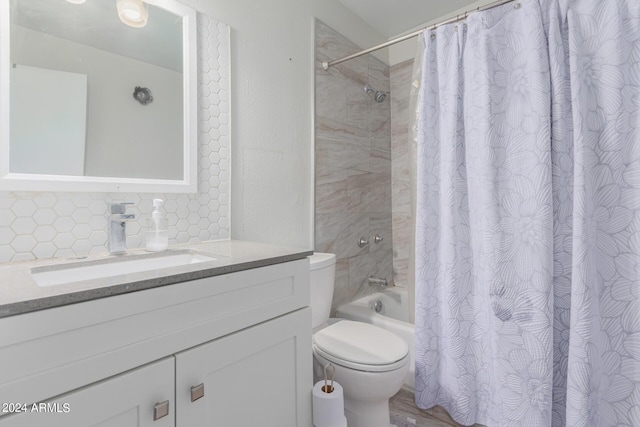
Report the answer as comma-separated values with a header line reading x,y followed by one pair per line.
x,y
359,366
361,346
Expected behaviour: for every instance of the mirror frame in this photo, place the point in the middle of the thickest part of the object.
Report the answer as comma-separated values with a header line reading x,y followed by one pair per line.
x,y
62,183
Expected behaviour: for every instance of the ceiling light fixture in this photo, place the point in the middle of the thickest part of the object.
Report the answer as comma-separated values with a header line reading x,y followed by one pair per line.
x,y
76,1
134,13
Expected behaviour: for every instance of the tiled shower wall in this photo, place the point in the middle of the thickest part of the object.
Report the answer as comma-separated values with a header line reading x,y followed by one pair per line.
x,y
353,165
401,212
45,225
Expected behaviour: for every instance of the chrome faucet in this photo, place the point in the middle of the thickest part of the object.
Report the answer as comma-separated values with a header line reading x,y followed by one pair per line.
x,y
117,238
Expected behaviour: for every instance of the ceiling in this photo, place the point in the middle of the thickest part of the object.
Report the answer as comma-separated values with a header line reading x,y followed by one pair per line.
x,y
393,17
96,23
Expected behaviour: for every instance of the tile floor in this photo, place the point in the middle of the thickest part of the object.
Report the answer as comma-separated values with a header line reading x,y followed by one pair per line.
x,y
404,413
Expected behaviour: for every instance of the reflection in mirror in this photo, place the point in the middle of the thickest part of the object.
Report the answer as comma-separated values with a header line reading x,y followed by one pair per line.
x,y
65,56
79,76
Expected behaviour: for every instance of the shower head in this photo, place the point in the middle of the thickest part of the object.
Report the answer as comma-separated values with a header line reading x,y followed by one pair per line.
x,y
378,95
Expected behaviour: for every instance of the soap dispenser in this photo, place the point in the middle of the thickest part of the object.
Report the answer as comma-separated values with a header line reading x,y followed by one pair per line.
x,y
157,236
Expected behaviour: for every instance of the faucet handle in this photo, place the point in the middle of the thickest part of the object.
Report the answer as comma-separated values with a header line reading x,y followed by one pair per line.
x,y
378,281
118,207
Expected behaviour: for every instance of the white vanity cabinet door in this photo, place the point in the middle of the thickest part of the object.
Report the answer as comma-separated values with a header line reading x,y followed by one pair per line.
x,y
260,376
126,400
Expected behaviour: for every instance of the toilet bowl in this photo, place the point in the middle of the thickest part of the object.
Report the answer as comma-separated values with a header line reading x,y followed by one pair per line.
x,y
370,362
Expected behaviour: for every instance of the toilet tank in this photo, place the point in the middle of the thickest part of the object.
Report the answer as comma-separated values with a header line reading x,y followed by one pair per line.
x,y
322,277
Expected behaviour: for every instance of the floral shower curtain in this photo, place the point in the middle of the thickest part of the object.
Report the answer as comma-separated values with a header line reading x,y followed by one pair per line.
x,y
528,216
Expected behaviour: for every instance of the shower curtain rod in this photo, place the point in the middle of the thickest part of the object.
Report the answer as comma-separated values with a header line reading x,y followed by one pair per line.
x,y
459,17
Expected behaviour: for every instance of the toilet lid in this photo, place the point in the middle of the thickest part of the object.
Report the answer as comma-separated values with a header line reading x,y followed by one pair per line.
x,y
361,343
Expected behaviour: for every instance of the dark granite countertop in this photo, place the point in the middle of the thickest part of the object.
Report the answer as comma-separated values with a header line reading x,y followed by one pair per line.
x,y
19,292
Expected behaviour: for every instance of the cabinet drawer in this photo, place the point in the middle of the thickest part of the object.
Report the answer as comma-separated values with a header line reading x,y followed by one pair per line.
x,y
53,351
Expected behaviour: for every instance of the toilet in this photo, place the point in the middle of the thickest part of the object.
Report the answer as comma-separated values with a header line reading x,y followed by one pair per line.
x,y
370,362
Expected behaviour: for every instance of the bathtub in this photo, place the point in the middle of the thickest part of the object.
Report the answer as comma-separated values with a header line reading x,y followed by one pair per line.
x,y
393,317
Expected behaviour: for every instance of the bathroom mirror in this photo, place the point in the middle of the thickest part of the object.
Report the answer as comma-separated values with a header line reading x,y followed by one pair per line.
x,y
98,95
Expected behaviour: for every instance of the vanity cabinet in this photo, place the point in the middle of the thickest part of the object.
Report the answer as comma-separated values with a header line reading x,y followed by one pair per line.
x,y
242,341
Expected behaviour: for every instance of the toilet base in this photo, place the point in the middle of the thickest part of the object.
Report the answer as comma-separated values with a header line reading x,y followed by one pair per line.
x,y
367,414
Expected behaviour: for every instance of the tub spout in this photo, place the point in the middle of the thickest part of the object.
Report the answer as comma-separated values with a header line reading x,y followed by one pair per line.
x,y
378,281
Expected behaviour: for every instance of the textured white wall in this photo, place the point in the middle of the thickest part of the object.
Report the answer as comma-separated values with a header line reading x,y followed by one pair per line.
x,y
44,225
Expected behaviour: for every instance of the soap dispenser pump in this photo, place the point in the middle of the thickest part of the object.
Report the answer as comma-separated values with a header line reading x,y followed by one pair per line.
x,y
157,237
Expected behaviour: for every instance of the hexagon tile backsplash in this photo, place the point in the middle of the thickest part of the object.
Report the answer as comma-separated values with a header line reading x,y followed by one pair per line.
x,y
46,225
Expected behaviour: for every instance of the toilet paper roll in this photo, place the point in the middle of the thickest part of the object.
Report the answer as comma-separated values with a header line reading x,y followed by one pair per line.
x,y
328,408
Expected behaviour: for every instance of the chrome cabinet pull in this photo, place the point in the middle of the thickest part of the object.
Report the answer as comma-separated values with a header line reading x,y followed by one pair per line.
x,y
377,239
197,392
160,410
363,242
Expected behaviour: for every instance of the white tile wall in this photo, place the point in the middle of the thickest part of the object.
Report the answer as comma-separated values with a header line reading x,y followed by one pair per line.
x,y
46,225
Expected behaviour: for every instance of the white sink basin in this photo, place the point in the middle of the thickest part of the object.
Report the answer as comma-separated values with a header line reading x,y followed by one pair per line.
x,y
81,271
